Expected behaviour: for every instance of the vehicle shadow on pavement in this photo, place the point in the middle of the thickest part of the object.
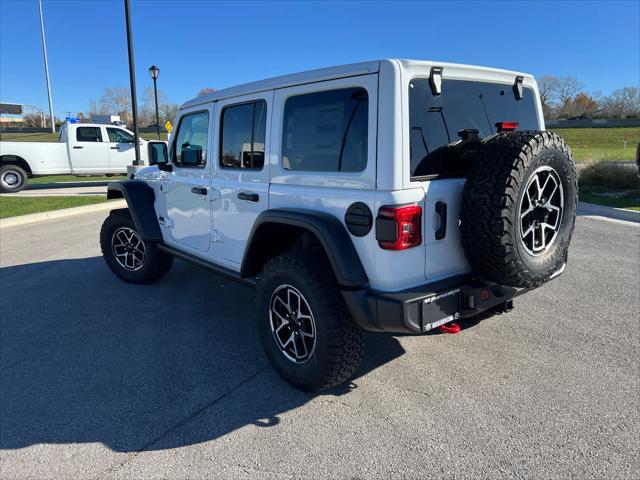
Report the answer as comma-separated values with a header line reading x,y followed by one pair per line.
x,y
87,358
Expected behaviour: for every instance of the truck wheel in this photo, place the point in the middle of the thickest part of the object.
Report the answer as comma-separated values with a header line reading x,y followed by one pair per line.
x,y
518,208
304,325
12,179
130,258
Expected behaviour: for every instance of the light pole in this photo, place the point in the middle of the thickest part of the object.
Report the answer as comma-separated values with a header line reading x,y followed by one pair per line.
x,y
155,73
132,80
46,68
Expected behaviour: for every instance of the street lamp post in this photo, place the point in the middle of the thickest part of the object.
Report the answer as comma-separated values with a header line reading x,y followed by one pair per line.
x,y
155,73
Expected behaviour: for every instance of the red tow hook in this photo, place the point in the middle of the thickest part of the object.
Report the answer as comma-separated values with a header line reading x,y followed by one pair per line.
x,y
449,328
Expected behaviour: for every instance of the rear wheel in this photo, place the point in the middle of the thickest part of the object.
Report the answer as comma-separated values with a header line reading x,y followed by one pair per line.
x,y
304,325
12,179
127,255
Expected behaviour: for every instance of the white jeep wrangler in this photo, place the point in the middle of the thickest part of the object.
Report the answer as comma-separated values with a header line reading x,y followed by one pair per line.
x,y
392,196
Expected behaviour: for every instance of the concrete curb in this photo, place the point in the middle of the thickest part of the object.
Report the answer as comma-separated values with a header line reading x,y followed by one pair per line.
x,y
62,213
593,210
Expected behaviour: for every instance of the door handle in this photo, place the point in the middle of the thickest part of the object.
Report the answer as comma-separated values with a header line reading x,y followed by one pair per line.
x,y
441,210
199,190
77,148
249,197
114,148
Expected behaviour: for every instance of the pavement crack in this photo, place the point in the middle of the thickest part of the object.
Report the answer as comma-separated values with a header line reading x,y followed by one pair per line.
x,y
186,420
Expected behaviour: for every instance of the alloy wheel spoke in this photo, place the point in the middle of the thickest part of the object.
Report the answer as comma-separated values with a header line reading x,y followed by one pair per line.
x,y
293,307
548,226
538,188
289,340
304,346
555,189
543,243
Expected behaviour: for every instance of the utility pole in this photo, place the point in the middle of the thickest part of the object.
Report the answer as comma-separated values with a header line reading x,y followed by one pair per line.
x,y
132,79
46,69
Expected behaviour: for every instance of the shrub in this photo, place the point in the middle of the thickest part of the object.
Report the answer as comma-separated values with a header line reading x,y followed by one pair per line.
x,y
614,175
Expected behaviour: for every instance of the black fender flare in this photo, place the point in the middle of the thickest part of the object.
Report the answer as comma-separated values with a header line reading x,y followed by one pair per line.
x,y
140,198
329,231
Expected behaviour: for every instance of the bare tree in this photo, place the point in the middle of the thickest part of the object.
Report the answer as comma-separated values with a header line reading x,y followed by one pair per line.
x,y
34,119
114,100
623,102
582,105
548,88
169,112
568,88
206,91
557,93
166,109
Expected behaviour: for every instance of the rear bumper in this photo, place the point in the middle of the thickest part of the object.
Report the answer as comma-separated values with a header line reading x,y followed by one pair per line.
x,y
420,309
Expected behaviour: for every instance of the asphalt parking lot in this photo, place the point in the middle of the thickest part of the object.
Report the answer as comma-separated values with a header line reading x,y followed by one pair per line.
x,y
100,379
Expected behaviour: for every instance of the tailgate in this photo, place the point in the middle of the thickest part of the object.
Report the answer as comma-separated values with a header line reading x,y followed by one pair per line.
x,y
443,251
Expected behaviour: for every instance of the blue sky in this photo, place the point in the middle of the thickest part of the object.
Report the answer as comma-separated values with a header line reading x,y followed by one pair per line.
x,y
219,44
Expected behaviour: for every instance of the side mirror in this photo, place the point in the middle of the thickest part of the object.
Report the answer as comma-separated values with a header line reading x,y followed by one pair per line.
x,y
158,153
192,155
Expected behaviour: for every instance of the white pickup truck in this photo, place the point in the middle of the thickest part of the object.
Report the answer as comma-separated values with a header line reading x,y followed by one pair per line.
x,y
83,149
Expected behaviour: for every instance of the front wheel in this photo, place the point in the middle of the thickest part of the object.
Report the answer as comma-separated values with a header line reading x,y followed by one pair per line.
x,y
304,324
12,179
127,255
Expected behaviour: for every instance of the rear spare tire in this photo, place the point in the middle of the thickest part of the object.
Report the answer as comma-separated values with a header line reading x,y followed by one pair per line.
x,y
518,208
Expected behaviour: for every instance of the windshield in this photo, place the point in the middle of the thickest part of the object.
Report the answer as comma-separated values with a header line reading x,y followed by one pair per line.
x,y
436,121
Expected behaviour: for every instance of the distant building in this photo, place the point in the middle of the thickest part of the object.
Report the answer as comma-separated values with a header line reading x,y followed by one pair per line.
x,y
11,121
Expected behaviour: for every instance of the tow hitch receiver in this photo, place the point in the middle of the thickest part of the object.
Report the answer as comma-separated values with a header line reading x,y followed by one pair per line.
x,y
450,328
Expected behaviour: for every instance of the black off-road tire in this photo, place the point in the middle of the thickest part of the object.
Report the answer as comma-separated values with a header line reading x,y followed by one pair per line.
x,y
155,264
10,173
339,340
490,229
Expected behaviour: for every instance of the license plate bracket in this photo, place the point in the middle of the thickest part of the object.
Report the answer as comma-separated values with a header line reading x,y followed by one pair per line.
x,y
441,308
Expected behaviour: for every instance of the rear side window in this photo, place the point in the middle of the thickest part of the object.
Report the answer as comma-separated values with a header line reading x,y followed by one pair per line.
x,y
326,131
436,121
243,133
192,140
88,134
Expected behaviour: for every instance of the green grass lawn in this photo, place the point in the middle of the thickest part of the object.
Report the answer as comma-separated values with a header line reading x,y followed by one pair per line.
x,y
29,137
601,143
73,178
629,199
14,206
586,143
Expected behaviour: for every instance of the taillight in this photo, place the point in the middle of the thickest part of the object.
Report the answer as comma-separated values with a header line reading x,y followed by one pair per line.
x,y
507,126
398,228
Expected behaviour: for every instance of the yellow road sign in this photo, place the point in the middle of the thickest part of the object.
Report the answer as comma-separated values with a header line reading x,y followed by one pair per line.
x,y
168,126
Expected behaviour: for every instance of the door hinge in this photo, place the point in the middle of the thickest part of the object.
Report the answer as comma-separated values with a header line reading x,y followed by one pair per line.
x,y
214,194
166,222
216,236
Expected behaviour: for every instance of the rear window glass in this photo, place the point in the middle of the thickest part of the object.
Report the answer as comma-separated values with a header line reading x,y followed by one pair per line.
x,y
243,135
326,131
436,121
88,134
